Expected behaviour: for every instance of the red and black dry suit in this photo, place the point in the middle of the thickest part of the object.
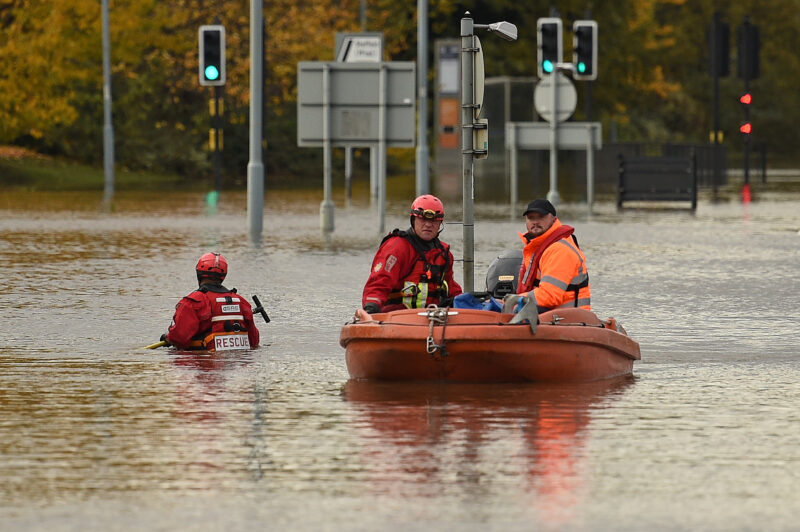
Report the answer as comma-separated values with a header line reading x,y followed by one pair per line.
x,y
554,267
408,272
213,317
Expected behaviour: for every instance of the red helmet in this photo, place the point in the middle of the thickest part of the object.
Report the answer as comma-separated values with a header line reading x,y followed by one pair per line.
x,y
212,265
428,207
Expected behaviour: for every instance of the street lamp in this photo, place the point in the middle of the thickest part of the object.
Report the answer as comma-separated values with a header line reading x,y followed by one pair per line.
x,y
469,112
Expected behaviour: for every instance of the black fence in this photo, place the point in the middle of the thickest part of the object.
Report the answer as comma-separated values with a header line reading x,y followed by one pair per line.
x,y
607,159
657,179
491,179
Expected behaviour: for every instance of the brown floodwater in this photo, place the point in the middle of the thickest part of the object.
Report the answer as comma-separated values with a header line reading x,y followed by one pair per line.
x,y
97,433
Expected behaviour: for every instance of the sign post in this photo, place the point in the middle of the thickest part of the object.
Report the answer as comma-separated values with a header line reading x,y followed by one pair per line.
x,y
364,47
555,99
538,136
355,104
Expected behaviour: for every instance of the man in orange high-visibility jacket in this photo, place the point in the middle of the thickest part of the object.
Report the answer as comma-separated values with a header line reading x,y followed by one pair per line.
x,y
553,266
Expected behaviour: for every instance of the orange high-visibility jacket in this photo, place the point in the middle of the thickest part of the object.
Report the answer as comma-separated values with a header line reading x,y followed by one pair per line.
x,y
560,279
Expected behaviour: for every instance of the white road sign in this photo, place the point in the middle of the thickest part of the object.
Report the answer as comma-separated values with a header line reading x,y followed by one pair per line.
x,y
360,49
566,101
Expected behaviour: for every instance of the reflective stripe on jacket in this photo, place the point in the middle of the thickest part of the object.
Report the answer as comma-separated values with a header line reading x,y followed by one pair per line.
x,y
554,267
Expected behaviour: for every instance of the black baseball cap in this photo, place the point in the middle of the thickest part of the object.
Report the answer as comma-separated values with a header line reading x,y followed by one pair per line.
x,y
541,206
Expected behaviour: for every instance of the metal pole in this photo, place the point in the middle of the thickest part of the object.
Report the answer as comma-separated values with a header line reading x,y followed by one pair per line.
x,y
382,90
373,174
108,128
348,174
747,137
255,167
552,194
326,207
467,112
423,180
590,167
216,123
511,142
715,28
506,120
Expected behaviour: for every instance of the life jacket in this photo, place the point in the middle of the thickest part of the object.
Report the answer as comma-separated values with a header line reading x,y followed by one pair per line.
x,y
426,280
528,278
228,330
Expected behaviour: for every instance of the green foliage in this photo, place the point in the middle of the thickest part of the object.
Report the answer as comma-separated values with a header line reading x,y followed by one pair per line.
x,y
44,173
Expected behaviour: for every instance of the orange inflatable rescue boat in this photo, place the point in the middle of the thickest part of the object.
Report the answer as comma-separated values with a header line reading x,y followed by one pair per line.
x,y
469,345
475,345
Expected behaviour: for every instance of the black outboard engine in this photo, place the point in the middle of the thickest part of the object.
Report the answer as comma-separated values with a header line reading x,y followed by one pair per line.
x,y
502,277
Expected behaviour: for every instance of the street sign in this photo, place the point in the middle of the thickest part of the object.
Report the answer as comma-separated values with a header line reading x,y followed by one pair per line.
x,y
537,135
567,97
354,101
480,81
586,136
359,47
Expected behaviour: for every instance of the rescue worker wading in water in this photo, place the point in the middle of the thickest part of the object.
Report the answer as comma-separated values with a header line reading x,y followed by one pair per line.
x,y
212,317
413,268
553,266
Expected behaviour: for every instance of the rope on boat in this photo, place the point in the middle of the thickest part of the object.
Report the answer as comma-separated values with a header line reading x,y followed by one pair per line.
x,y
436,315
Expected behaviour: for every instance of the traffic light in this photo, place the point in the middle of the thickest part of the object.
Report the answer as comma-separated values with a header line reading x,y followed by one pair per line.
x,y
584,50
746,99
212,55
718,47
549,51
746,127
747,66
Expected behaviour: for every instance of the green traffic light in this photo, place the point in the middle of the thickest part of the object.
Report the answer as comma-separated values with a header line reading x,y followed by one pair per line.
x,y
212,72
581,67
547,66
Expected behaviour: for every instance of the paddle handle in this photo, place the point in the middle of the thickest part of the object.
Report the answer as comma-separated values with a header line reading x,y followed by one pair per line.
x,y
260,309
162,343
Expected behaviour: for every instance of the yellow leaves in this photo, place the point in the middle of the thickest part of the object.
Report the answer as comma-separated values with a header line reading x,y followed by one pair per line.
x,y
659,84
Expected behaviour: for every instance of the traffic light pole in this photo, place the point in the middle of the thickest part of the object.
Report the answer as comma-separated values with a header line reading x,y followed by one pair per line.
x,y
216,123
716,175
747,137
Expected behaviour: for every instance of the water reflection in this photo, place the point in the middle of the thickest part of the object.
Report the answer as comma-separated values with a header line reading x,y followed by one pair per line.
x,y
530,434
201,384
206,387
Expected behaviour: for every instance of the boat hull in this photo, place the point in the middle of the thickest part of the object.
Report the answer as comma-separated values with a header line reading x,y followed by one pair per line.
x,y
569,345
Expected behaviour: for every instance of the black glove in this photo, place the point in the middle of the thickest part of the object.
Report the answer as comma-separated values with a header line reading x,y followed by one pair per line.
x,y
164,339
372,308
446,302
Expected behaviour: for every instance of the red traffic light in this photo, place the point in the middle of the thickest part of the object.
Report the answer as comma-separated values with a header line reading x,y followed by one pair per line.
x,y
746,128
746,98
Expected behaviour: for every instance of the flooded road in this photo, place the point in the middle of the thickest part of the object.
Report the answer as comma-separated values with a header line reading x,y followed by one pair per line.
x,y
97,433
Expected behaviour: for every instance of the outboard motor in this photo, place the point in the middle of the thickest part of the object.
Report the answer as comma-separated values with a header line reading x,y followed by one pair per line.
x,y
502,277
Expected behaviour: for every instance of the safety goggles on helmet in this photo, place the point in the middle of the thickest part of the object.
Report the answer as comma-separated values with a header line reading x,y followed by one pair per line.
x,y
428,214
